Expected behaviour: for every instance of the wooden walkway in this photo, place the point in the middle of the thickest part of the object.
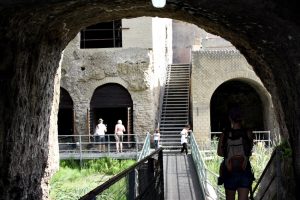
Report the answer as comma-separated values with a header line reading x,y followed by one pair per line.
x,y
180,178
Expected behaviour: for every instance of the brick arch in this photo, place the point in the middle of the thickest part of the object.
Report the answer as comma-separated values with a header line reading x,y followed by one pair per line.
x,y
68,93
267,106
111,102
104,81
222,66
65,121
124,98
203,107
234,65
266,34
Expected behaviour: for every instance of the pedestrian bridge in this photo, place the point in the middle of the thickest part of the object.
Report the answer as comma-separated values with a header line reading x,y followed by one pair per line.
x,y
158,174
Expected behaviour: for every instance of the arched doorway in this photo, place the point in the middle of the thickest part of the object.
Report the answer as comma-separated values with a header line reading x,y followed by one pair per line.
x,y
274,61
65,114
239,92
111,102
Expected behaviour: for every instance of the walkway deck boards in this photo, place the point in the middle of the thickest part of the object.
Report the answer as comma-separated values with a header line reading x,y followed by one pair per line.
x,y
180,178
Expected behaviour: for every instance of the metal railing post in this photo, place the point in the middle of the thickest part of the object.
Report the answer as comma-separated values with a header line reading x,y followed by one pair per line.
x,y
269,139
161,161
108,146
131,185
278,175
137,146
80,150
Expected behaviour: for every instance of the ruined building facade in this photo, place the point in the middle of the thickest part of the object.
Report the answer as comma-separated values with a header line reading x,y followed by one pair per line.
x,y
125,79
121,82
35,33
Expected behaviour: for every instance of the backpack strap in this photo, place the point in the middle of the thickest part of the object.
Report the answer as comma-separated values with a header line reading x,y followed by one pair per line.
x,y
225,138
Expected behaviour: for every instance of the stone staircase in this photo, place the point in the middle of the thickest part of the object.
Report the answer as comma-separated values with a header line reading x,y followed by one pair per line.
x,y
175,107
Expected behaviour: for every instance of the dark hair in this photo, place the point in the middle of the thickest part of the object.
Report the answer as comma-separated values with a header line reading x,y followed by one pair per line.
x,y
235,114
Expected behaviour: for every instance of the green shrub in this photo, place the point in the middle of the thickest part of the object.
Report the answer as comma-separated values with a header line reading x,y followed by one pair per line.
x,y
285,148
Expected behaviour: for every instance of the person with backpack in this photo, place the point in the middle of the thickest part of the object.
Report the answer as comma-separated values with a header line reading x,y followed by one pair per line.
x,y
235,145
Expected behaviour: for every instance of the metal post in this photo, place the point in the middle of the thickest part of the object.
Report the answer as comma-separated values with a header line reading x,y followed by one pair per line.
x,y
269,139
131,185
137,146
278,175
108,148
161,165
80,150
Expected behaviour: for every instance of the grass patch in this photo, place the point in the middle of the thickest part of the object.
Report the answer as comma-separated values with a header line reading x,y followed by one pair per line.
x,y
72,181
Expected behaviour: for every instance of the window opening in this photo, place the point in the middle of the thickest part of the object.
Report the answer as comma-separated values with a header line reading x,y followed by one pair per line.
x,y
102,35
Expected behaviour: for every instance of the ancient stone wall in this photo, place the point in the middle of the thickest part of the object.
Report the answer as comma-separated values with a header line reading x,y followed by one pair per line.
x,y
83,70
33,34
211,68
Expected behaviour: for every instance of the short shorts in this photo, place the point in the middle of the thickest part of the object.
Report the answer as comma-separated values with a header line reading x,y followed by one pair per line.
x,y
100,138
240,179
119,138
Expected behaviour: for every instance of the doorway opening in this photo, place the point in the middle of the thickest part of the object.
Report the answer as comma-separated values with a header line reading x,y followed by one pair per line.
x,y
112,102
65,114
241,93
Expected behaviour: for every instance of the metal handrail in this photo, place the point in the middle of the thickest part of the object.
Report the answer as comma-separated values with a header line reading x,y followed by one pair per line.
x,y
98,190
260,136
274,154
78,139
146,148
202,170
176,137
81,147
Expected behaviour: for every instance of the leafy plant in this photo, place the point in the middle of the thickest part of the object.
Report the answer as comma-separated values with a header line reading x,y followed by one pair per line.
x,y
285,148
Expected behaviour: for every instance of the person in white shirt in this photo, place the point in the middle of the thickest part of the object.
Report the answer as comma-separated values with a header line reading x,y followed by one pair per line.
x,y
184,134
100,135
119,130
156,138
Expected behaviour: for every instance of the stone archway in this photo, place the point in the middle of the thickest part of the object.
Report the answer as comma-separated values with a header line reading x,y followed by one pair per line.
x,y
65,114
111,102
33,34
235,91
211,69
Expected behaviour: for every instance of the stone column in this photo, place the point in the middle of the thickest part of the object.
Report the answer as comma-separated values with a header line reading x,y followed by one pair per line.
x,y
81,109
29,150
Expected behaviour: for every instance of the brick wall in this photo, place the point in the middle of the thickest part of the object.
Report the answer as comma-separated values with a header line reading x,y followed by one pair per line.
x,y
211,68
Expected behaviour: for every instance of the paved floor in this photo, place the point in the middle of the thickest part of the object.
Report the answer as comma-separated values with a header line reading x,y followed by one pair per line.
x,y
180,178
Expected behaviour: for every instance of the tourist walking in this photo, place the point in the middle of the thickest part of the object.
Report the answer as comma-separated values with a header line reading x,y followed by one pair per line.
x,y
235,145
119,130
156,138
184,135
